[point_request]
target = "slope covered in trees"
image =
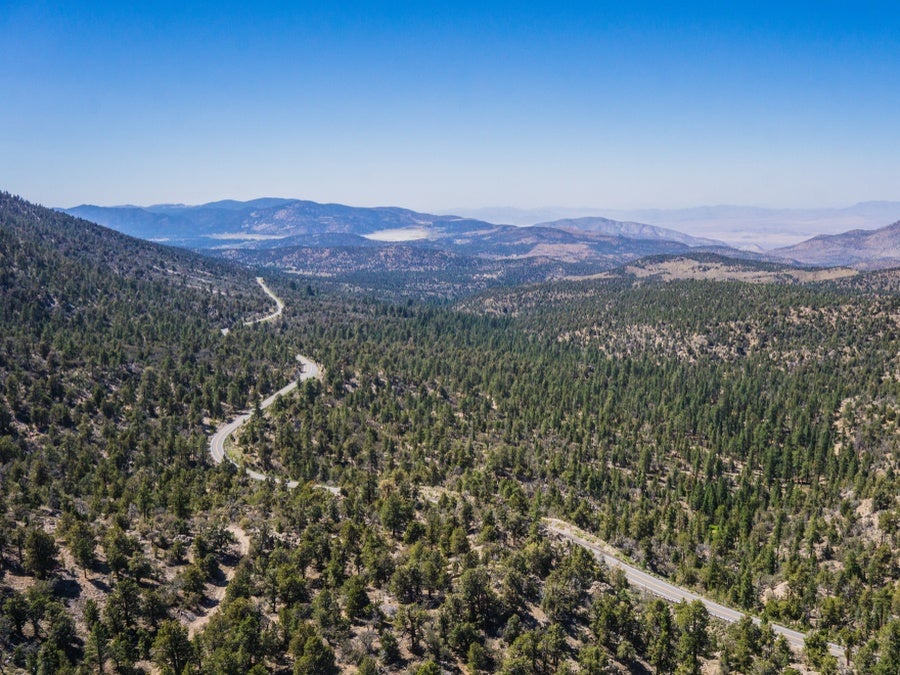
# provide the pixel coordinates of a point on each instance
(741, 440)
(111, 355)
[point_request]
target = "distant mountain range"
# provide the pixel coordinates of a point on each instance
(747, 227)
(863, 249)
(284, 233)
(270, 231)
(628, 230)
(227, 224)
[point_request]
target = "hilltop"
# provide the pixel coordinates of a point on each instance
(864, 249)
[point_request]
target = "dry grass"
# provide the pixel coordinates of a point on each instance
(687, 268)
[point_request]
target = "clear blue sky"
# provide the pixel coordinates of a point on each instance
(434, 105)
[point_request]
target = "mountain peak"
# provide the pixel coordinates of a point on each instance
(628, 230)
(870, 249)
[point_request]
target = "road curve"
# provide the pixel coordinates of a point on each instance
(279, 305)
(665, 590)
(308, 370)
(636, 577)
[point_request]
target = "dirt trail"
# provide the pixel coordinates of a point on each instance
(215, 594)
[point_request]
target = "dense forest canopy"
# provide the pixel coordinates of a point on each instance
(739, 439)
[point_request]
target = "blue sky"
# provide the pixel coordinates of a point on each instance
(439, 105)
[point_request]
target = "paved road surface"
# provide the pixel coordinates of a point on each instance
(279, 305)
(308, 369)
(665, 590)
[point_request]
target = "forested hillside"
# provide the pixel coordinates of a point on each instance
(739, 439)
(111, 355)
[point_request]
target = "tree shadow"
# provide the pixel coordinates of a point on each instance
(99, 584)
(67, 588)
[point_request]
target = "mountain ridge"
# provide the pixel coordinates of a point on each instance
(744, 227)
(273, 223)
(629, 229)
(291, 217)
(869, 249)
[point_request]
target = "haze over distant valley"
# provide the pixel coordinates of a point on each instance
(746, 227)
(452, 255)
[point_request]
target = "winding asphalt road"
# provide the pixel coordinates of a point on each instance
(308, 369)
(663, 589)
(279, 305)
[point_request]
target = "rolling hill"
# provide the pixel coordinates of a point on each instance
(864, 249)
(629, 230)
(225, 223)
(332, 239)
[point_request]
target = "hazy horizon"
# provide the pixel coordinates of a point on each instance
(484, 207)
(742, 226)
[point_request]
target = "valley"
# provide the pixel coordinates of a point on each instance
(403, 253)
(729, 426)
(608, 556)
